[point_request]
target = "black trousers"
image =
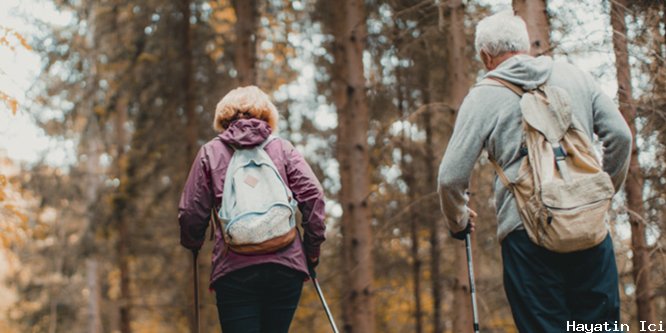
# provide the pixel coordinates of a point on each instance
(548, 290)
(258, 299)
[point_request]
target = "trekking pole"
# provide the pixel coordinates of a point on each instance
(313, 276)
(472, 288)
(195, 264)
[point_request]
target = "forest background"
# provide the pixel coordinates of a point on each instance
(103, 105)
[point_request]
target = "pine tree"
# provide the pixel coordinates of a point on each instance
(634, 183)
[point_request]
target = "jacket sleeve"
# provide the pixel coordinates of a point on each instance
(310, 197)
(614, 133)
(457, 165)
(195, 204)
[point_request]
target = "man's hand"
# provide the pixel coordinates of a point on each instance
(460, 235)
(472, 219)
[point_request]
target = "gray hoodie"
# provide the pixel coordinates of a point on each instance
(490, 119)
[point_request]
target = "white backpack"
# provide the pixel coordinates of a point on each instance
(257, 211)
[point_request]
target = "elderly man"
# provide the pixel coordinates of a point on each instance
(547, 290)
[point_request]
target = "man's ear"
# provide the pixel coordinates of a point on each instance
(487, 60)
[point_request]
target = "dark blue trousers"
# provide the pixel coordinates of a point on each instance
(258, 299)
(547, 290)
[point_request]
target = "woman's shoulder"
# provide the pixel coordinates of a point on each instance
(278, 146)
(281, 150)
(215, 148)
(284, 143)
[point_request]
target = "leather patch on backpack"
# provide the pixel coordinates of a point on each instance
(251, 181)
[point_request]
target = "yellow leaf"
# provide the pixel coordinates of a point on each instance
(24, 218)
(11, 39)
(11, 102)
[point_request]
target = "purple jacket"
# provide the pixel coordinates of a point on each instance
(206, 180)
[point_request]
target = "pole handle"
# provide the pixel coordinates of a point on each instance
(311, 271)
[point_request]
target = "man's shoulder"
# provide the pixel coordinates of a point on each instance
(561, 64)
(568, 71)
(485, 84)
(487, 93)
(580, 84)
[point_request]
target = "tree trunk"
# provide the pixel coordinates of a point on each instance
(188, 84)
(457, 79)
(414, 217)
(462, 307)
(191, 127)
(352, 151)
(436, 219)
(93, 147)
(122, 250)
(247, 19)
(535, 14)
(456, 85)
(59, 262)
(658, 66)
(435, 225)
(416, 264)
(339, 74)
(94, 314)
(634, 183)
(120, 220)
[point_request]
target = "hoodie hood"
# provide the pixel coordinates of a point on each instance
(246, 133)
(524, 71)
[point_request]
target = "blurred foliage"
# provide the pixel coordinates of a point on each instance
(113, 84)
(11, 40)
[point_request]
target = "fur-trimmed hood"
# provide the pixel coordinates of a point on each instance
(245, 103)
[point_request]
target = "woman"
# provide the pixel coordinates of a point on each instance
(259, 292)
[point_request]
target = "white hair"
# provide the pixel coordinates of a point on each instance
(501, 33)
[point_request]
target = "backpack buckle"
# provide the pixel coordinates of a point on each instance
(560, 153)
(523, 151)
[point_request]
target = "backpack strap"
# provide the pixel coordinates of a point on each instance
(501, 175)
(560, 155)
(267, 141)
(488, 82)
(214, 220)
(495, 81)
